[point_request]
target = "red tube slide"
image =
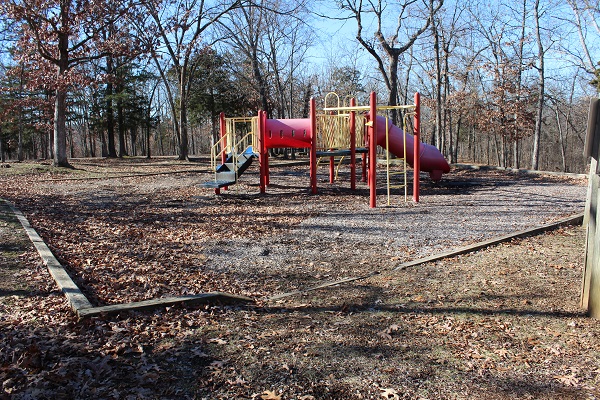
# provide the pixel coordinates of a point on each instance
(288, 133)
(432, 160)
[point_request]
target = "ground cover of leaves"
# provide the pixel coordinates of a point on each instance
(499, 323)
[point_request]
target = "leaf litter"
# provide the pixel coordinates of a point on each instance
(500, 323)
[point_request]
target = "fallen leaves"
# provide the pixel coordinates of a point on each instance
(218, 341)
(568, 380)
(390, 394)
(387, 333)
(436, 331)
(270, 395)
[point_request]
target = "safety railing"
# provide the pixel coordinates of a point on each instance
(233, 145)
(399, 160)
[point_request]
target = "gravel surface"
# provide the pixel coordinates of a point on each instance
(261, 245)
(347, 238)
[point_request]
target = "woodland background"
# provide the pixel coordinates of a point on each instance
(504, 83)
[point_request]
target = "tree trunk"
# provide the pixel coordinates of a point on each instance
(60, 129)
(183, 131)
(262, 89)
(393, 97)
(60, 105)
(2, 156)
(170, 99)
(516, 160)
(183, 119)
(438, 87)
(132, 140)
(515, 148)
(121, 120)
(562, 143)
(535, 157)
(148, 128)
(20, 143)
(110, 116)
(447, 112)
(456, 144)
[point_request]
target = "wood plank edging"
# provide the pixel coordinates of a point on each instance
(518, 170)
(75, 297)
(572, 220)
(82, 306)
(204, 298)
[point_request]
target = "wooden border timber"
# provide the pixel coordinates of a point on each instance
(573, 220)
(82, 306)
(204, 298)
(476, 167)
(75, 297)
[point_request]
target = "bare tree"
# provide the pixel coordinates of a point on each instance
(519, 79)
(175, 31)
(271, 39)
(535, 155)
(60, 36)
(446, 33)
(287, 41)
(386, 50)
(586, 15)
(244, 30)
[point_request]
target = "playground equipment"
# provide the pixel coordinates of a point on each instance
(432, 161)
(333, 133)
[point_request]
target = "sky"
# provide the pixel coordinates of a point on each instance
(336, 43)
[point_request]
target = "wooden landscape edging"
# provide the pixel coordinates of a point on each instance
(572, 220)
(82, 306)
(75, 297)
(204, 298)
(519, 170)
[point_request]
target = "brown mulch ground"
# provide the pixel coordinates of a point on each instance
(499, 323)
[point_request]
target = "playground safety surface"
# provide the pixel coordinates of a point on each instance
(501, 323)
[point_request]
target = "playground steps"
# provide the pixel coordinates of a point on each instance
(227, 174)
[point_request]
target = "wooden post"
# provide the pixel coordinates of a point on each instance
(590, 291)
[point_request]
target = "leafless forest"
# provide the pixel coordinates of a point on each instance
(503, 83)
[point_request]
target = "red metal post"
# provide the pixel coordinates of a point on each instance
(331, 169)
(364, 160)
(266, 155)
(373, 151)
(352, 145)
(262, 151)
(223, 131)
(313, 146)
(417, 140)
